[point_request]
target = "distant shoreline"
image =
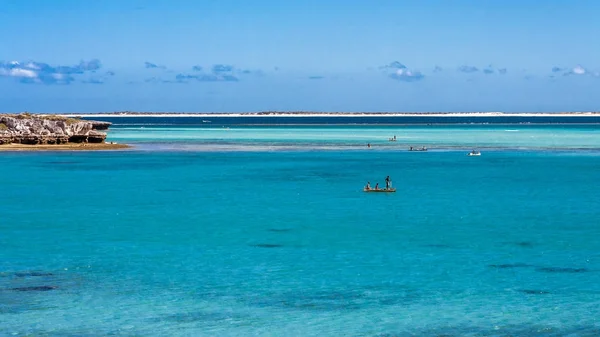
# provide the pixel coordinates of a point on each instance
(331, 114)
(62, 147)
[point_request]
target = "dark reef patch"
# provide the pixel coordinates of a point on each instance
(534, 292)
(63, 162)
(200, 316)
(335, 300)
(524, 244)
(266, 245)
(562, 270)
(168, 190)
(32, 274)
(437, 245)
(35, 288)
(319, 302)
(77, 332)
(510, 265)
(499, 331)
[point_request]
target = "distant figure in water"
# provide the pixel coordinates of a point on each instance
(387, 182)
(411, 148)
(377, 186)
(368, 187)
(369, 145)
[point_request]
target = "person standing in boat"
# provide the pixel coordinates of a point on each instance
(387, 182)
(368, 187)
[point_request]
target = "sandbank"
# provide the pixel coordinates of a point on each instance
(64, 147)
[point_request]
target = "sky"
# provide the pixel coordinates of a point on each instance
(309, 55)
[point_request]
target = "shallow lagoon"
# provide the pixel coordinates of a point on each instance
(263, 138)
(160, 241)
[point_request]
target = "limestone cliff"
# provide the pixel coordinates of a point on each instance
(49, 129)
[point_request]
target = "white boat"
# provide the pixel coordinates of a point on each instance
(381, 190)
(474, 153)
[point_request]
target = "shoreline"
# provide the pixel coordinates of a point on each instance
(63, 147)
(332, 114)
(422, 124)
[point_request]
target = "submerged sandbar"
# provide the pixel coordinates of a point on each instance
(64, 147)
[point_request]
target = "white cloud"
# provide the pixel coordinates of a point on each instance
(38, 72)
(32, 65)
(406, 75)
(579, 70)
(21, 72)
(398, 71)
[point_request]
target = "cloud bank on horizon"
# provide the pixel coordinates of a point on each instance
(33, 72)
(275, 55)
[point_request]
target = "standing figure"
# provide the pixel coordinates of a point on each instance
(387, 182)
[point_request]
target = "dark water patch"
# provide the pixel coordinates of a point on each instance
(524, 244)
(510, 265)
(202, 316)
(335, 300)
(35, 288)
(499, 331)
(33, 274)
(169, 190)
(318, 303)
(437, 245)
(266, 245)
(562, 270)
(336, 295)
(279, 230)
(70, 333)
(63, 162)
(534, 292)
(402, 299)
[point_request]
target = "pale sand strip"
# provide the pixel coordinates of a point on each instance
(64, 147)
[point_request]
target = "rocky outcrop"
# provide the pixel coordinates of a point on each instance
(97, 125)
(49, 129)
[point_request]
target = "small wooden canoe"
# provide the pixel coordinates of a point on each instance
(382, 190)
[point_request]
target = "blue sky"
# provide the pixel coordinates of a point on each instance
(352, 55)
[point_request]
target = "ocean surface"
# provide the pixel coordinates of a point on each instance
(423, 119)
(238, 230)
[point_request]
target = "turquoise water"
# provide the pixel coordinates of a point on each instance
(356, 137)
(196, 234)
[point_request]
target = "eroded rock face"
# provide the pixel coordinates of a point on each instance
(37, 129)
